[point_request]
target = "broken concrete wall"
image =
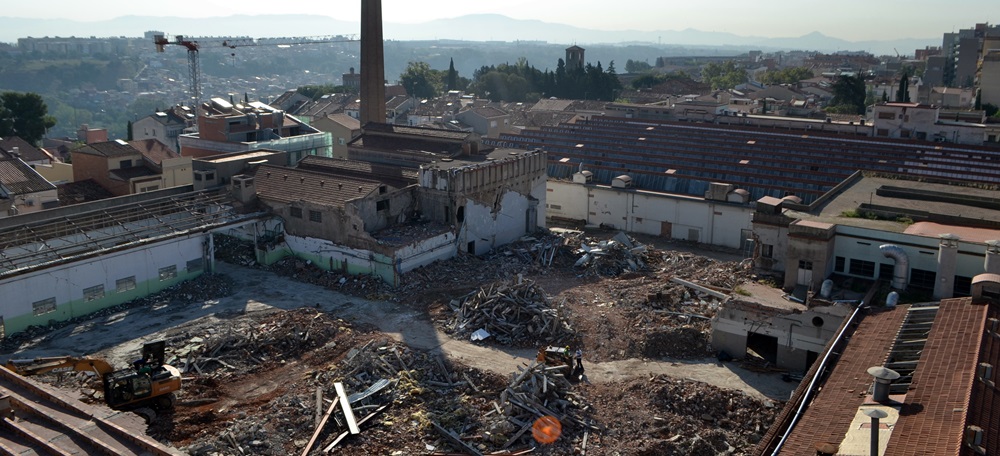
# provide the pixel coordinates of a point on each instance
(809, 254)
(71, 290)
(392, 207)
(797, 332)
(334, 223)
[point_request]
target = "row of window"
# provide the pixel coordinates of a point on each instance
(919, 278)
(123, 285)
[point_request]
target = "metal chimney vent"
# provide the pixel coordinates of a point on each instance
(883, 378)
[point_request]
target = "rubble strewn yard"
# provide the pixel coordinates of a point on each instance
(262, 367)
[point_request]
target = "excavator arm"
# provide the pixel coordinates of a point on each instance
(38, 366)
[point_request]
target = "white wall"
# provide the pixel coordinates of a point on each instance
(66, 282)
(850, 243)
(716, 223)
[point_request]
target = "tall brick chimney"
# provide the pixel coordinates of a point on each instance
(372, 63)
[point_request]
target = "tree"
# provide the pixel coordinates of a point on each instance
(789, 75)
(128, 131)
(316, 92)
(848, 95)
(903, 93)
(420, 80)
(636, 66)
(724, 76)
(979, 100)
(451, 82)
(24, 115)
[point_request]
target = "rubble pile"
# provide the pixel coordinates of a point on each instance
(681, 417)
(514, 313)
(612, 257)
(247, 344)
(234, 250)
(536, 391)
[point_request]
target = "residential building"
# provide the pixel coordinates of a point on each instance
(487, 121)
(989, 81)
(224, 128)
(951, 97)
(123, 169)
(23, 190)
(923, 122)
(164, 126)
(217, 170)
(342, 129)
(14, 146)
(89, 135)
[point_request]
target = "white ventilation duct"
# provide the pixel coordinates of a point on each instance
(899, 273)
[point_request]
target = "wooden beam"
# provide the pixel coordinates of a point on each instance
(319, 428)
(352, 424)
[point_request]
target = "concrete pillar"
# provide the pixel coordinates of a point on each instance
(992, 264)
(944, 287)
(372, 63)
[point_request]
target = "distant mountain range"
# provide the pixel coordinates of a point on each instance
(478, 27)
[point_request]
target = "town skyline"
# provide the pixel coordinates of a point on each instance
(852, 20)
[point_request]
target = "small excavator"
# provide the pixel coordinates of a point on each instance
(149, 383)
(560, 357)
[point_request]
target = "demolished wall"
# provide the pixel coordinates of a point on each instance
(798, 331)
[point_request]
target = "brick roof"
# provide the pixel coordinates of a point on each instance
(116, 148)
(20, 179)
(984, 409)
(286, 185)
(932, 419)
(830, 414)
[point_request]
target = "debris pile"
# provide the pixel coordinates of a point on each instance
(681, 417)
(514, 313)
(537, 391)
(612, 257)
(247, 344)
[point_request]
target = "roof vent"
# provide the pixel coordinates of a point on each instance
(985, 372)
(301, 179)
(883, 378)
(321, 183)
(360, 189)
(973, 436)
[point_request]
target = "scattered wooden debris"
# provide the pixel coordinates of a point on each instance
(515, 312)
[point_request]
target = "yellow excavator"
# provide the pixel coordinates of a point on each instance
(150, 382)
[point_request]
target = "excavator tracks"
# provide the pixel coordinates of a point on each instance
(37, 419)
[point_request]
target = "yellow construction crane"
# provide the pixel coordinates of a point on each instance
(194, 68)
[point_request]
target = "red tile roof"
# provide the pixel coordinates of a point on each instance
(932, 419)
(828, 417)
(984, 410)
(154, 150)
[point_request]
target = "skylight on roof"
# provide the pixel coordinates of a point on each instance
(564, 160)
(744, 162)
(650, 128)
(579, 145)
(642, 138)
(671, 171)
(751, 142)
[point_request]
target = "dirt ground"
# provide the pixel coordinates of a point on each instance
(651, 385)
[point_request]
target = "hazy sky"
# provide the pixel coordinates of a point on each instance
(847, 19)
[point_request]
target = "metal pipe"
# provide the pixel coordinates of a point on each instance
(901, 271)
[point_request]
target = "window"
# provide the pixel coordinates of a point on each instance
(168, 272)
(44, 306)
(923, 279)
(125, 164)
(806, 265)
(210, 176)
(963, 286)
(197, 177)
(195, 265)
(295, 212)
(882, 132)
(93, 293)
(341, 141)
(838, 264)
(382, 205)
(904, 133)
(315, 216)
(382, 189)
(886, 115)
(767, 250)
(125, 284)
(862, 268)
(886, 271)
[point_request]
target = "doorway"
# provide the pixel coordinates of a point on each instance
(471, 247)
(762, 346)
